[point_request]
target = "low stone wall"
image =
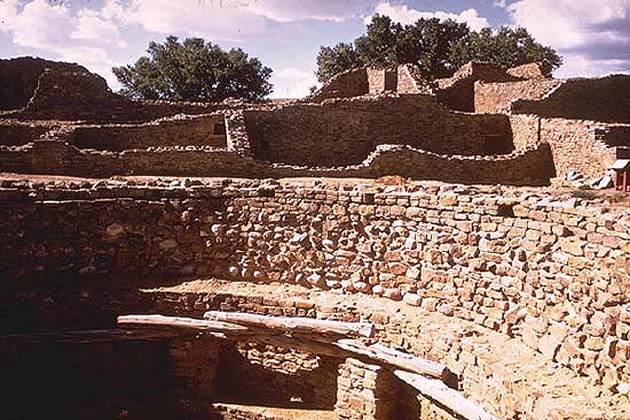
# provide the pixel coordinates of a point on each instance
(497, 97)
(366, 392)
(344, 132)
(606, 99)
(200, 130)
(551, 272)
(529, 167)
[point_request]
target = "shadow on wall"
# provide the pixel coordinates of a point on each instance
(606, 100)
(278, 378)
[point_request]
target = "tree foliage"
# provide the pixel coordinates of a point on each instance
(437, 47)
(194, 70)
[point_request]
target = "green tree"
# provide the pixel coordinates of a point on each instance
(194, 70)
(437, 47)
(333, 60)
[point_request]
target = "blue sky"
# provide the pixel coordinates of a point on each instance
(592, 35)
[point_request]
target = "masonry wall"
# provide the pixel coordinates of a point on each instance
(343, 85)
(19, 78)
(574, 145)
(527, 167)
(527, 71)
(606, 99)
(203, 130)
(554, 273)
(498, 97)
(258, 374)
(525, 131)
(458, 92)
(19, 134)
(344, 132)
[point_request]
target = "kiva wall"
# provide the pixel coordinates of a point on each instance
(550, 272)
(343, 132)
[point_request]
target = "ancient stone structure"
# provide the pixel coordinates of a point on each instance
(520, 292)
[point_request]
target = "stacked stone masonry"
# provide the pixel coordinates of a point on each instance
(551, 272)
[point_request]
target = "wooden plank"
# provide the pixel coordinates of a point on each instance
(292, 324)
(448, 397)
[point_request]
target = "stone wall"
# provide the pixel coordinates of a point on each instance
(606, 99)
(343, 132)
(15, 134)
(527, 71)
(498, 97)
(69, 92)
(200, 130)
(526, 167)
(458, 92)
(365, 392)
(381, 80)
(552, 272)
(19, 78)
(258, 374)
(575, 145)
(410, 80)
(525, 131)
(343, 85)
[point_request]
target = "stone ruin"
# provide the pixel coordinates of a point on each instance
(157, 262)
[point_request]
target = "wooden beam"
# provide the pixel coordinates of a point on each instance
(398, 359)
(297, 325)
(180, 322)
(84, 336)
(448, 397)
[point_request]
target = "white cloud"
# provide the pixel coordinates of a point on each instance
(84, 36)
(593, 36)
(228, 19)
(210, 19)
(292, 10)
(576, 65)
(292, 82)
(403, 14)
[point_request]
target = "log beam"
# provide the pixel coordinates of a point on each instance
(181, 322)
(293, 324)
(398, 359)
(448, 397)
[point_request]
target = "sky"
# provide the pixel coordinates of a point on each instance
(593, 36)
